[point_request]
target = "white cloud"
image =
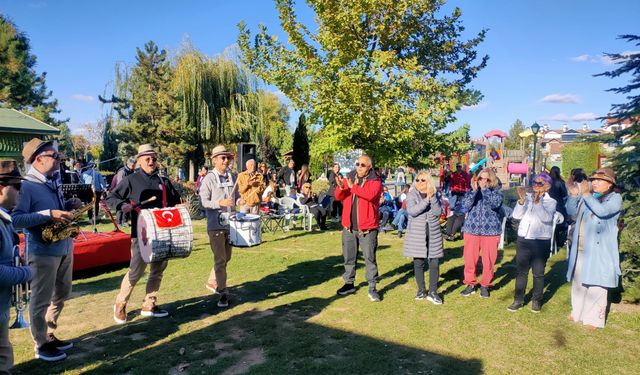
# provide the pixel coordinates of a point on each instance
(563, 117)
(581, 58)
(481, 105)
(83, 98)
(561, 98)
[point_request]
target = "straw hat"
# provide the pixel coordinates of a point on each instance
(33, 148)
(605, 174)
(145, 149)
(220, 150)
(9, 172)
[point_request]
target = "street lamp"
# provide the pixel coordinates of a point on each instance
(535, 128)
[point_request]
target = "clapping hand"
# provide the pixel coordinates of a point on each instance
(584, 187)
(522, 194)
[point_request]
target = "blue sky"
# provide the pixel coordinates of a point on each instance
(542, 53)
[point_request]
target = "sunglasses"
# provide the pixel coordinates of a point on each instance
(152, 159)
(363, 165)
(421, 180)
(54, 156)
(538, 183)
(224, 157)
(482, 178)
(15, 185)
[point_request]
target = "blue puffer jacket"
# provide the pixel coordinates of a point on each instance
(601, 260)
(483, 207)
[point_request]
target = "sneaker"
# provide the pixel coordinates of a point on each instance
(374, 296)
(469, 290)
(154, 312)
(211, 287)
(120, 313)
(434, 298)
(399, 234)
(515, 306)
(48, 352)
(421, 295)
(346, 289)
(536, 306)
(223, 301)
(484, 292)
(59, 344)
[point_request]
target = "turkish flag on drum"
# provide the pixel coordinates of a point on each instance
(168, 218)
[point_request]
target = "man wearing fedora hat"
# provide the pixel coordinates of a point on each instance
(218, 194)
(10, 274)
(39, 203)
(135, 188)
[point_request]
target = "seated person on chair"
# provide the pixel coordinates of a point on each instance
(310, 199)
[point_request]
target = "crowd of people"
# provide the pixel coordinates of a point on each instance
(589, 205)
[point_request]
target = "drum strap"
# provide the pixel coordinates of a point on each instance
(165, 203)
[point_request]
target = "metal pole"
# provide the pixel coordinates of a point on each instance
(533, 172)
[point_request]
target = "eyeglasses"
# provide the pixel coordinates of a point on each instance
(421, 180)
(151, 159)
(538, 183)
(224, 157)
(55, 156)
(482, 178)
(363, 165)
(15, 185)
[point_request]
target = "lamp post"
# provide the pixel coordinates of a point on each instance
(535, 128)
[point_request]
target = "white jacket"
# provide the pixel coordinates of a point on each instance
(536, 220)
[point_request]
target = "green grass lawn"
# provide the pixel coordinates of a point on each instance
(286, 318)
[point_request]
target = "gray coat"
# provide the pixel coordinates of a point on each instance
(420, 213)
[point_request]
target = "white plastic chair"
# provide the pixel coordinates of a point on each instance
(558, 218)
(504, 226)
(290, 204)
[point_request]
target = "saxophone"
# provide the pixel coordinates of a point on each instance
(57, 230)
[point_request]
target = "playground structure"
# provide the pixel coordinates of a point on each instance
(504, 162)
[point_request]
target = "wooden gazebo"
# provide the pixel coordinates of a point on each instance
(16, 128)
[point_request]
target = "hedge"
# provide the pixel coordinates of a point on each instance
(580, 155)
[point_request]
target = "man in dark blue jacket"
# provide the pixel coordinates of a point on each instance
(10, 274)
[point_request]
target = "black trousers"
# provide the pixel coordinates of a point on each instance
(434, 273)
(454, 224)
(321, 216)
(531, 254)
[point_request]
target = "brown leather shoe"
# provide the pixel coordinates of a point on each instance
(120, 313)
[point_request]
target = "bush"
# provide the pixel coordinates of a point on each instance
(580, 155)
(630, 247)
(320, 186)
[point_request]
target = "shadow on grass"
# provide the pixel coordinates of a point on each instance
(276, 341)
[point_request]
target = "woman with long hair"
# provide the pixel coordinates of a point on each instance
(423, 241)
(594, 261)
(303, 176)
(535, 212)
(482, 229)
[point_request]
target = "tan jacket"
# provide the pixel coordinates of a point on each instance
(250, 187)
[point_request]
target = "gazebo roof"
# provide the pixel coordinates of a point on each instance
(12, 121)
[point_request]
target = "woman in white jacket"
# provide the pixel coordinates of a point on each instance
(535, 212)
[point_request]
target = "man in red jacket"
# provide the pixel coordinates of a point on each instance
(360, 193)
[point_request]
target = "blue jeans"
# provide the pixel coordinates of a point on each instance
(400, 220)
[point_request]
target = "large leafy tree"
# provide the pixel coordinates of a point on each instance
(384, 76)
(271, 132)
(21, 87)
(626, 162)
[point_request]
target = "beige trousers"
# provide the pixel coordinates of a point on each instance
(221, 248)
(588, 303)
(50, 287)
(136, 269)
(6, 351)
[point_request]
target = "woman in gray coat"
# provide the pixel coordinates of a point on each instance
(424, 238)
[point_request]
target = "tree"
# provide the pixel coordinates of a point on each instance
(626, 163)
(381, 76)
(271, 130)
(301, 143)
(20, 86)
(513, 140)
(109, 154)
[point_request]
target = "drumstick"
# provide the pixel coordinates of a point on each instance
(137, 206)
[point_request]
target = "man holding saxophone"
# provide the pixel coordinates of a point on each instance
(10, 273)
(40, 203)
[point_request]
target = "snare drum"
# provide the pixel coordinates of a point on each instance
(164, 233)
(244, 230)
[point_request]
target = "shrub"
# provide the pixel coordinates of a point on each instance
(580, 155)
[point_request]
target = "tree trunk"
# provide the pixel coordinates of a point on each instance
(191, 170)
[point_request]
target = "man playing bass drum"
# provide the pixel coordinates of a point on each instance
(135, 188)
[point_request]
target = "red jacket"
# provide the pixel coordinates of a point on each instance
(368, 202)
(459, 182)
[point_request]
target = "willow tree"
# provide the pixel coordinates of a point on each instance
(385, 76)
(216, 102)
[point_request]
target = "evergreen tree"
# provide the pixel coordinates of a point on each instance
(626, 163)
(301, 143)
(109, 147)
(21, 87)
(513, 140)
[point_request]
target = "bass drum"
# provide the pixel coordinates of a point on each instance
(164, 233)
